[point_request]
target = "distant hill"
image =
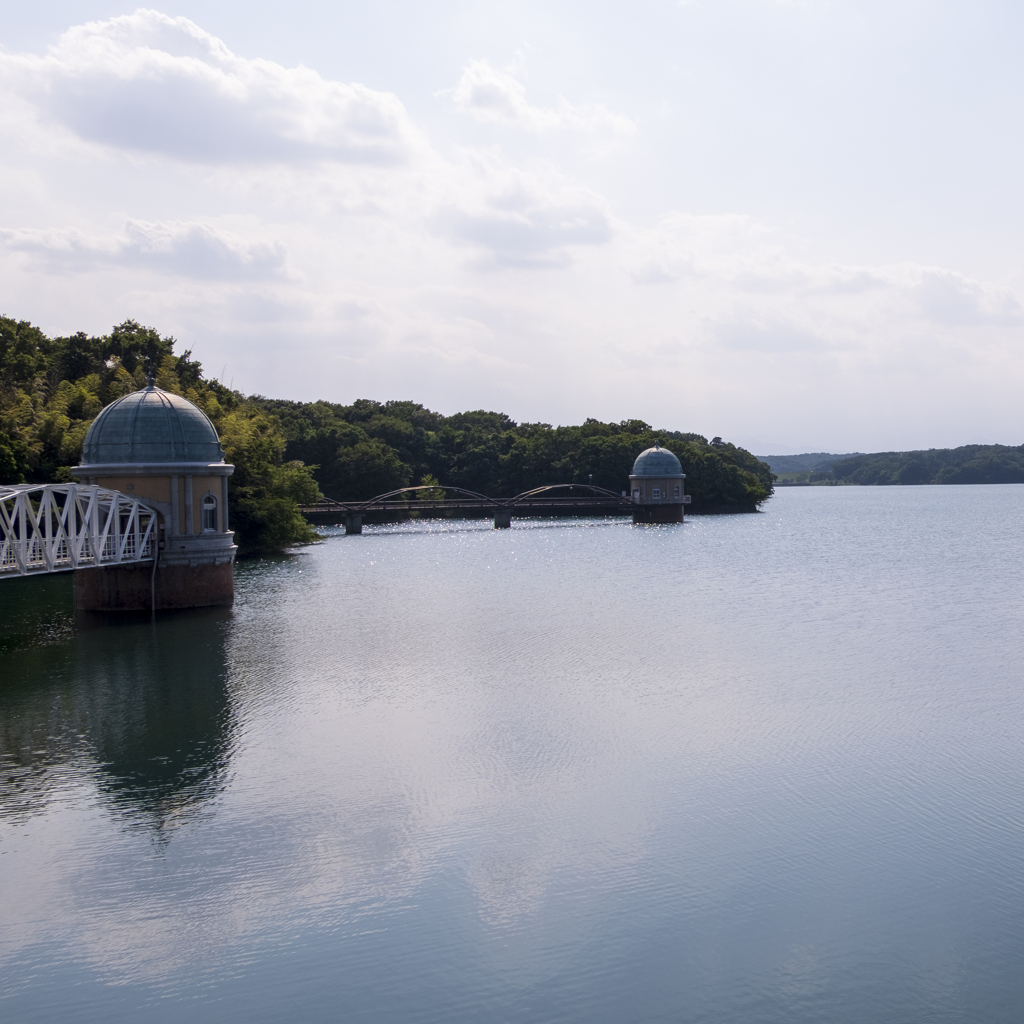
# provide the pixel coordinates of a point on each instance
(969, 464)
(816, 462)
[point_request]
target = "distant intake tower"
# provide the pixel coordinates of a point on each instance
(656, 484)
(165, 451)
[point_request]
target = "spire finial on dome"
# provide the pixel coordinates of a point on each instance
(150, 382)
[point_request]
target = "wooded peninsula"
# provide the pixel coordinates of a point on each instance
(287, 454)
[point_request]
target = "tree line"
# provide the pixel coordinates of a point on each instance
(288, 454)
(969, 464)
(369, 448)
(51, 389)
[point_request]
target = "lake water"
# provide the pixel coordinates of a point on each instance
(763, 768)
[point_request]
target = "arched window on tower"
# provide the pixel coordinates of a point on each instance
(209, 514)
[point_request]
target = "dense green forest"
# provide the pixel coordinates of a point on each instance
(289, 453)
(367, 448)
(970, 464)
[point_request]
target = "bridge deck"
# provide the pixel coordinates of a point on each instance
(594, 500)
(566, 504)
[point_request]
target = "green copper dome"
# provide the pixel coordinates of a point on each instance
(151, 426)
(657, 461)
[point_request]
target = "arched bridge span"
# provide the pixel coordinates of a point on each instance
(564, 499)
(468, 499)
(604, 496)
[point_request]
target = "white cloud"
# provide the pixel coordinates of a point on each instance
(734, 288)
(950, 298)
(151, 83)
(741, 259)
(522, 220)
(685, 246)
(187, 249)
(772, 335)
(274, 211)
(490, 95)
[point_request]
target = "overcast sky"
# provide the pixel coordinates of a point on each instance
(793, 223)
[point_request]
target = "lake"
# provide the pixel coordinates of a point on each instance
(760, 768)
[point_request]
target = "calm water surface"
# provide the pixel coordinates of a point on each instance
(749, 769)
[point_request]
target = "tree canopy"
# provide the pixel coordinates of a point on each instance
(368, 448)
(52, 388)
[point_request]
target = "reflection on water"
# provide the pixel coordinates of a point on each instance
(33, 613)
(139, 708)
(759, 769)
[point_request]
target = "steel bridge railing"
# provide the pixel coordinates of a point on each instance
(538, 497)
(58, 527)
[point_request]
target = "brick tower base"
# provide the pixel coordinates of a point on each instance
(658, 514)
(127, 588)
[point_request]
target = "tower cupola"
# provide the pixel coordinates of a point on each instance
(164, 450)
(657, 487)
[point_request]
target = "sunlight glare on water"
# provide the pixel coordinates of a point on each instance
(748, 769)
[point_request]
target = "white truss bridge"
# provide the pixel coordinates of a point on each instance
(56, 527)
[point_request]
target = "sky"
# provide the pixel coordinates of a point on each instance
(795, 224)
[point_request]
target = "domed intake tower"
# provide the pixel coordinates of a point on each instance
(162, 449)
(657, 487)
